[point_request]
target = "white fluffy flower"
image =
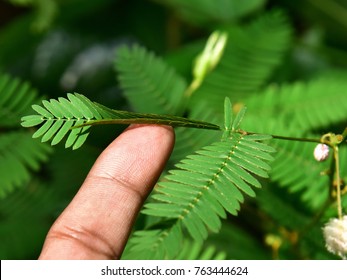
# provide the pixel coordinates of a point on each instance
(335, 235)
(321, 152)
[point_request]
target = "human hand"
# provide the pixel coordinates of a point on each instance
(98, 221)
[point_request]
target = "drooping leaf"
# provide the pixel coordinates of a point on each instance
(74, 116)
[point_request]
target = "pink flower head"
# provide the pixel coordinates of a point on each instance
(321, 152)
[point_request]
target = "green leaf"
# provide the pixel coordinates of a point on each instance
(324, 104)
(155, 244)
(74, 116)
(90, 105)
(195, 226)
(42, 111)
(228, 120)
(19, 156)
(205, 12)
(70, 110)
(227, 114)
(148, 83)
(33, 120)
(244, 175)
(62, 132)
(16, 97)
(196, 251)
(134, 118)
(53, 108)
(81, 106)
(203, 187)
(238, 119)
(203, 183)
(288, 171)
(52, 130)
(252, 54)
(75, 134)
(43, 129)
(162, 208)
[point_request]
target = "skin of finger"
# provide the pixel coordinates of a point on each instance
(98, 221)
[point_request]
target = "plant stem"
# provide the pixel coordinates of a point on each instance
(338, 181)
(300, 139)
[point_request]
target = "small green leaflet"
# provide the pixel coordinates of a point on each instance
(231, 124)
(228, 117)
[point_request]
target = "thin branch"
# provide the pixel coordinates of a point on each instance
(338, 181)
(288, 138)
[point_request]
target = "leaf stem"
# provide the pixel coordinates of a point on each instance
(288, 138)
(300, 139)
(173, 121)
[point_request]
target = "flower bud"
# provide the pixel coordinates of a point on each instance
(335, 235)
(210, 56)
(321, 152)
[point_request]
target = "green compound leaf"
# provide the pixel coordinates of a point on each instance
(148, 83)
(210, 182)
(73, 117)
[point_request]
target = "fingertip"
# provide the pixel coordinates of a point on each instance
(98, 221)
(141, 151)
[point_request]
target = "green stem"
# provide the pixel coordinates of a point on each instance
(300, 139)
(331, 140)
(194, 85)
(338, 181)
